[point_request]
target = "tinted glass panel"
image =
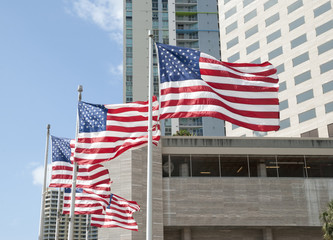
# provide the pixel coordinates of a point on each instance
(295, 24)
(275, 53)
(296, 5)
(231, 27)
(302, 77)
(304, 96)
(252, 47)
(230, 12)
(325, 47)
(233, 58)
(327, 87)
(291, 166)
(205, 166)
(282, 86)
(329, 107)
(319, 166)
(307, 115)
(251, 31)
(263, 166)
(280, 68)
(180, 166)
(258, 60)
(234, 166)
(326, 67)
(275, 35)
(270, 4)
(272, 19)
(284, 123)
(322, 9)
(300, 59)
(250, 15)
(247, 2)
(298, 41)
(312, 133)
(232, 43)
(283, 105)
(324, 28)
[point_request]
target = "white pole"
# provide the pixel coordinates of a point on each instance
(149, 222)
(41, 223)
(58, 215)
(73, 191)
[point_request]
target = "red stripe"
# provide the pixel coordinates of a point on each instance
(93, 176)
(210, 60)
(61, 185)
(61, 176)
(65, 168)
(255, 127)
(130, 118)
(127, 129)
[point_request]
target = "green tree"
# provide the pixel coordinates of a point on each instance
(182, 132)
(327, 220)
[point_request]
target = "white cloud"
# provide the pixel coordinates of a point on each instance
(117, 73)
(38, 175)
(107, 14)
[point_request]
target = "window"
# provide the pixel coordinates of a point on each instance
(205, 166)
(322, 9)
(232, 43)
(233, 126)
(298, 41)
(226, 1)
(284, 105)
(231, 27)
(230, 12)
(269, 21)
(296, 5)
(295, 24)
(280, 68)
(327, 87)
(263, 166)
(282, 86)
(307, 115)
(257, 61)
(247, 2)
(284, 123)
(330, 130)
(291, 166)
(179, 166)
(324, 28)
(234, 166)
(325, 47)
(250, 15)
(252, 47)
(329, 107)
(275, 53)
(311, 133)
(302, 77)
(259, 133)
(300, 59)
(325, 67)
(234, 57)
(251, 31)
(302, 97)
(269, 4)
(319, 166)
(273, 36)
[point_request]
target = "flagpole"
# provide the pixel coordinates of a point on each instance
(58, 215)
(73, 191)
(41, 224)
(149, 223)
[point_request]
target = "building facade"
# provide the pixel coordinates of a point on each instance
(186, 23)
(297, 38)
(228, 188)
(50, 220)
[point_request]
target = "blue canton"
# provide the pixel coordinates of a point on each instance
(178, 63)
(61, 149)
(78, 190)
(92, 117)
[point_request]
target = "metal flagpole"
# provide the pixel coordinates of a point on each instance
(41, 224)
(58, 215)
(149, 223)
(73, 191)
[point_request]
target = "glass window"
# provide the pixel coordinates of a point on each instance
(284, 104)
(284, 123)
(233, 126)
(280, 68)
(329, 107)
(322, 9)
(252, 47)
(234, 57)
(327, 87)
(275, 53)
(258, 60)
(330, 130)
(263, 166)
(180, 166)
(295, 24)
(259, 133)
(269, 4)
(307, 115)
(273, 36)
(325, 47)
(311, 133)
(325, 67)
(250, 15)
(302, 77)
(302, 97)
(251, 31)
(247, 2)
(298, 41)
(269, 21)
(165, 165)
(296, 5)
(226, 1)
(300, 59)
(319, 166)
(234, 166)
(324, 28)
(291, 166)
(205, 166)
(231, 27)
(232, 42)
(230, 12)
(282, 86)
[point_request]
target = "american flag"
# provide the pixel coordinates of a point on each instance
(88, 176)
(106, 131)
(88, 201)
(118, 214)
(194, 84)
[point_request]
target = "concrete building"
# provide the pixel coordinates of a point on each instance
(50, 219)
(187, 23)
(228, 188)
(297, 38)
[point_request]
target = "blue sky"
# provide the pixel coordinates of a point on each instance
(48, 48)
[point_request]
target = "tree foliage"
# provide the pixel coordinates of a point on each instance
(327, 219)
(183, 132)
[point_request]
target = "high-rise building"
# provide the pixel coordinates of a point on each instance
(50, 220)
(297, 38)
(186, 23)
